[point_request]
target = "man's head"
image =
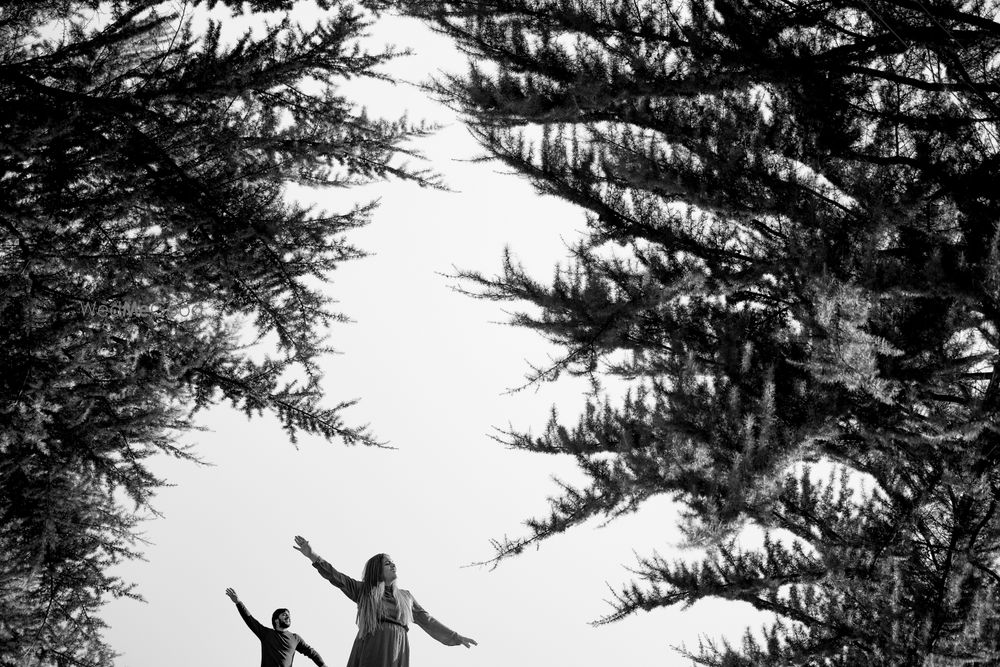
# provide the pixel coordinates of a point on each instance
(281, 619)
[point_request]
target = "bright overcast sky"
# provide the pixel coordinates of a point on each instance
(431, 367)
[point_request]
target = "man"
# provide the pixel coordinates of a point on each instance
(277, 644)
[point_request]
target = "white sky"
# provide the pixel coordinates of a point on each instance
(431, 367)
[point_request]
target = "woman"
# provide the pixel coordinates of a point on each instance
(385, 612)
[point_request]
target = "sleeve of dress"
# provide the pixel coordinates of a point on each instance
(434, 627)
(351, 587)
(308, 651)
(252, 623)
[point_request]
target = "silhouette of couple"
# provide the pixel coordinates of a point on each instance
(385, 612)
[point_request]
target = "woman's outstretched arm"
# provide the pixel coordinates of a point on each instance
(351, 587)
(437, 629)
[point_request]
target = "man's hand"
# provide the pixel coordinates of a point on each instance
(467, 642)
(232, 595)
(302, 546)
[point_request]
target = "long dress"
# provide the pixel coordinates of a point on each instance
(388, 646)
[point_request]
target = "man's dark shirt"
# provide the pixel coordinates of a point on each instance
(277, 647)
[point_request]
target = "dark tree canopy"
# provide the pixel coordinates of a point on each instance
(143, 216)
(793, 251)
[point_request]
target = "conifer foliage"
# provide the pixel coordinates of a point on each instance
(144, 165)
(793, 250)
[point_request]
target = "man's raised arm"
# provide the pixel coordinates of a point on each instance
(252, 623)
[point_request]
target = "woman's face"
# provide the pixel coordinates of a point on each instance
(388, 570)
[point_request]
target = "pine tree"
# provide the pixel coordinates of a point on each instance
(143, 218)
(793, 254)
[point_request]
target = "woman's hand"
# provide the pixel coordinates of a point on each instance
(232, 595)
(466, 642)
(302, 546)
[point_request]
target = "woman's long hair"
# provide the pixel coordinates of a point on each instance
(370, 602)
